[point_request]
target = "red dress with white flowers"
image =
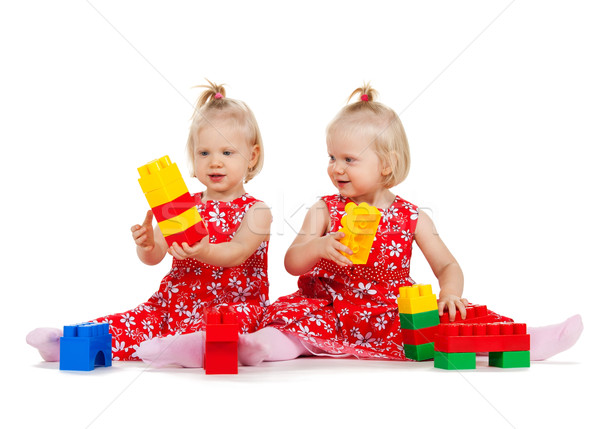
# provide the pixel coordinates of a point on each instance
(352, 311)
(190, 286)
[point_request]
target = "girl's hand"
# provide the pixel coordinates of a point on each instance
(143, 235)
(185, 251)
(329, 247)
(452, 303)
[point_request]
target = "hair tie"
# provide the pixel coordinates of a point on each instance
(218, 96)
(364, 97)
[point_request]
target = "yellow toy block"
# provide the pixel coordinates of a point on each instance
(416, 299)
(180, 222)
(161, 181)
(163, 195)
(359, 225)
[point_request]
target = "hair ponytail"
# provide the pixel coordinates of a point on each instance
(215, 93)
(366, 100)
(366, 92)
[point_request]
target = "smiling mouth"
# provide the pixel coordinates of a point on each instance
(216, 177)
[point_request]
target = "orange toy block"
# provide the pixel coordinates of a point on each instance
(359, 226)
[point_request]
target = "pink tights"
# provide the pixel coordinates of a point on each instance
(268, 344)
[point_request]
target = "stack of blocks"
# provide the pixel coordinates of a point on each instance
(173, 206)
(507, 343)
(359, 226)
(84, 346)
(220, 352)
(419, 320)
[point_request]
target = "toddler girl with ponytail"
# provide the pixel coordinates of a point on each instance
(227, 267)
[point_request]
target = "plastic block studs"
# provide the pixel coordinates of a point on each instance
(220, 353)
(508, 343)
(419, 320)
(359, 226)
(475, 314)
(416, 299)
(173, 206)
(85, 346)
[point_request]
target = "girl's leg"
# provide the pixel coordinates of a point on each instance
(269, 344)
(180, 350)
(188, 350)
(46, 340)
(546, 341)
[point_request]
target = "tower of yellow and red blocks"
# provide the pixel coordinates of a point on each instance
(172, 205)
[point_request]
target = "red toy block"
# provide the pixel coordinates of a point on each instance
(419, 336)
(190, 236)
(220, 352)
(490, 337)
(174, 207)
(475, 314)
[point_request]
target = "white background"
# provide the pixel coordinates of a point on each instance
(500, 103)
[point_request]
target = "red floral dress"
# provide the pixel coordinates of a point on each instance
(190, 286)
(352, 311)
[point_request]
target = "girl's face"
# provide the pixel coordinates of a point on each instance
(222, 157)
(354, 168)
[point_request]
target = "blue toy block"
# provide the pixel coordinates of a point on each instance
(85, 346)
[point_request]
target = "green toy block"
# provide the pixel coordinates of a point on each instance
(419, 352)
(510, 359)
(454, 360)
(419, 320)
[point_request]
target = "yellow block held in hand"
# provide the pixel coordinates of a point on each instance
(359, 226)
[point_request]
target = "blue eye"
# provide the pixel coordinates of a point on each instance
(349, 160)
(203, 153)
(331, 158)
(227, 152)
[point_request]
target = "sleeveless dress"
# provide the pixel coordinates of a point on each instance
(352, 311)
(177, 307)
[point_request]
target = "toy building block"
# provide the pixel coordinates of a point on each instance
(475, 314)
(419, 320)
(173, 206)
(220, 352)
(517, 359)
(416, 299)
(419, 351)
(481, 337)
(454, 360)
(508, 343)
(359, 226)
(85, 346)
(419, 336)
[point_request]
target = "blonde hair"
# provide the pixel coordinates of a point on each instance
(211, 105)
(381, 126)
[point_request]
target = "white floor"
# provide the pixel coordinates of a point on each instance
(315, 392)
